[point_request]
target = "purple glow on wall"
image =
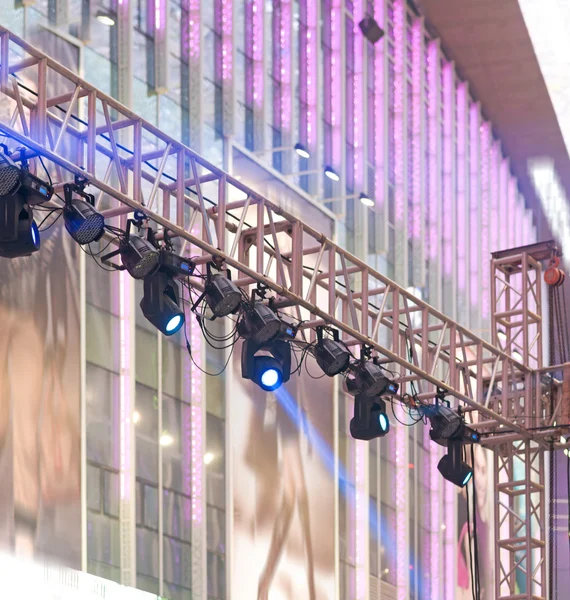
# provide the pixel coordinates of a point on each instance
(462, 104)
(485, 135)
(494, 197)
(284, 62)
(197, 423)
(379, 109)
(433, 216)
(448, 191)
(358, 82)
(194, 28)
(336, 81)
(227, 39)
(399, 82)
(450, 539)
(415, 218)
(474, 232)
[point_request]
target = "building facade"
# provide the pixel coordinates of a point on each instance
(243, 82)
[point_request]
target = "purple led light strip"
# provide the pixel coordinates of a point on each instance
(433, 217)
(485, 132)
(159, 15)
(194, 28)
(126, 400)
(503, 204)
(336, 81)
(360, 513)
(399, 82)
(432, 476)
(254, 49)
(379, 108)
(512, 209)
(494, 196)
(415, 218)
(448, 192)
(308, 67)
(474, 233)
(462, 103)
(227, 40)
(358, 81)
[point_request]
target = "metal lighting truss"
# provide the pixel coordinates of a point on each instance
(79, 130)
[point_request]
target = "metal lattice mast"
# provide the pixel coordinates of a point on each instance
(133, 165)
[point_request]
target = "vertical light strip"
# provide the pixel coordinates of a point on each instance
(494, 197)
(257, 52)
(159, 15)
(126, 441)
(402, 545)
(336, 91)
(416, 218)
(474, 232)
(226, 47)
(450, 538)
(399, 141)
(285, 25)
(433, 478)
(380, 111)
(197, 425)
(485, 134)
(312, 66)
(462, 222)
(433, 219)
(358, 90)
(360, 518)
(448, 191)
(194, 29)
(512, 208)
(503, 204)
(519, 221)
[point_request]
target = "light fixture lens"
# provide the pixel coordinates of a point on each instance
(270, 379)
(208, 458)
(105, 19)
(502, 336)
(35, 234)
(517, 356)
(136, 417)
(332, 174)
(467, 478)
(366, 200)
(174, 324)
(383, 421)
(302, 151)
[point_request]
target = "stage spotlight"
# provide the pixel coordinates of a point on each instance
(447, 424)
(453, 468)
(138, 256)
(270, 369)
(161, 303)
(19, 234)
(222, 295)
(332, 356)
(370, 419)
(302, 151)
(105, 18)
(369, 380)
(19, 182)
(332, 174)
(83, 223)
(259, 324)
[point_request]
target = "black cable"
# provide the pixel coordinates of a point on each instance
(470, 540)
(51, 224)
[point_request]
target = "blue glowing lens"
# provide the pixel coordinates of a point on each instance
(35, 234)
(174, 324)
(383, 420)
(467, 478)
(270, 379)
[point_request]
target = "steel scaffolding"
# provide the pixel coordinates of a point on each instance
(80, 131)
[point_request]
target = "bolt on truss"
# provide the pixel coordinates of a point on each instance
(78, 130)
